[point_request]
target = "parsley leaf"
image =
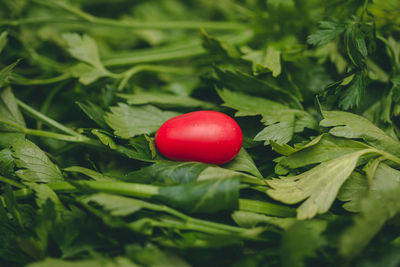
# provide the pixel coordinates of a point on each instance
(128, 121)
(33, 163)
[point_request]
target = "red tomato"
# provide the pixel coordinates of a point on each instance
(204, 136)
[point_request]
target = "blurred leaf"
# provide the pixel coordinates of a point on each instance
(251, 219)
(353, 191)
(307, 233)
(150, 255)
(116, 262)
(9, 111)
(272, 60)
(165, 100)
(116, 205)
(6, 162)
(3, 41)
(379, 205)
(6, 72)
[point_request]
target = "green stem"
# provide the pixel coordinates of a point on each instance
(46, 104)
(389, 156)
(62, 137)
(48, 121)
(382, 75)
(11, 182)
(212, 25)
(121, 188)
(16, 79)
(155, 54)
(127, 75)
(173, 52)
(266, 208)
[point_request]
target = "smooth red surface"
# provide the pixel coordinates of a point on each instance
(204, 136)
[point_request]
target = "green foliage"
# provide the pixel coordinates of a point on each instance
(129, 121)
(84, 86)
(33, 164)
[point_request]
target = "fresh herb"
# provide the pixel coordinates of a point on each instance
(314, 86)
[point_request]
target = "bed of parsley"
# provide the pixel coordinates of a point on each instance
(314, 85)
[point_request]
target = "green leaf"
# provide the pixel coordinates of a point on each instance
(5, 73)
(328, 31)
(218, 172)
(3, 40)
(355, 39)
(6, 162)
(242, 82)
(327, 148)
(379, 205)
(350, 125)
(129, 121)
(244, 163)
(165, 100)
(117, 205)
(306, 233)
(270, 60)
(280, 120)
(87, 74)
(354, 92)
(150, 255)
(219, 49)
(247, 105)
(116, 262)
(94, 112)
(84, 48)
(250, 219)
(273, 61)
(44, 193)
(353, 191)
(9, 111)
(280, 132)
(208, 196)
(319, 185)
(104, 138)
(168, 173)
(33, 164)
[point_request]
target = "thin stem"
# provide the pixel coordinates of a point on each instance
(45, 119)
(62, 137)
(121, 188)
(16, 79)
(46, 104)
(11, 182)
(174, 52)
(212, 25)
(127, 75)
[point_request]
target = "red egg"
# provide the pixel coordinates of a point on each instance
(204, 136)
